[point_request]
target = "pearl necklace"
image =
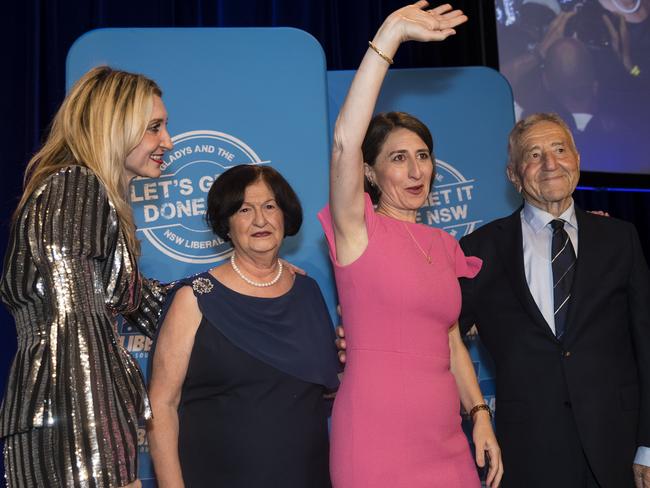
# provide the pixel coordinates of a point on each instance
(255, 283)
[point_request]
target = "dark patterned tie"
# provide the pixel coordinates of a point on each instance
(563, 264)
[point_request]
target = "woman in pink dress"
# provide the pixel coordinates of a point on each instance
(396, 420)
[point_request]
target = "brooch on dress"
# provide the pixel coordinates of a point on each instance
(202, 285)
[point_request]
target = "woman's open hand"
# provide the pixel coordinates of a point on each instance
(416, 22)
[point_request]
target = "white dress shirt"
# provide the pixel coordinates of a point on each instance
(537, 235)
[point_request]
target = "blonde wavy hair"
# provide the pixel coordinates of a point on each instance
(101, 120)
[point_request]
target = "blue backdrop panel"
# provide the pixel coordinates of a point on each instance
(259, 96)
(233, 96)
(469, 112)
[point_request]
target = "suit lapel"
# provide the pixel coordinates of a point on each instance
(511, 251)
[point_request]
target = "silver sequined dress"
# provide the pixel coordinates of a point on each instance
(74, 394)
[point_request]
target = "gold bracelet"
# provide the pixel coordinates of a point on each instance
(480, 406)
(381, 53)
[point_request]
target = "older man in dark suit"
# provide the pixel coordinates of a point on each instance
(563, 306)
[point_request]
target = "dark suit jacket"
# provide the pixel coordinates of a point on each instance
(593, 388)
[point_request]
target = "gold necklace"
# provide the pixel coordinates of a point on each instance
(427, 255)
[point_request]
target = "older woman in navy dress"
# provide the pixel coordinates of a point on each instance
(245, 354)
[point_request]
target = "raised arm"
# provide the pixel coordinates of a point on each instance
(413, 22)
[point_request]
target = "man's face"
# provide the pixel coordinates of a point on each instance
(549, 168)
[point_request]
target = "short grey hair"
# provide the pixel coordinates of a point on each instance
(515, 146)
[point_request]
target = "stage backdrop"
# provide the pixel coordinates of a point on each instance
(260, 96)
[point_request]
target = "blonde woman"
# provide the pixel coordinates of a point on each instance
(74, 395)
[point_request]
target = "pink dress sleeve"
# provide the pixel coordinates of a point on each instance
(465, 266)
(325, 218)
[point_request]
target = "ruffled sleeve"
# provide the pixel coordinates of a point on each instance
(465, 266)
(325, 218)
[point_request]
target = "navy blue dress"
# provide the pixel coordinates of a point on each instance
(252, 412)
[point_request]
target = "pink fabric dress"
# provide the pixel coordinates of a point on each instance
(396, 421)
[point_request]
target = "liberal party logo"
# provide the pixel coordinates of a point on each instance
(131, 339)
(448, 205)
(170, 210)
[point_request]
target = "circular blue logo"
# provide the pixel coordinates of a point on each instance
(170, 210)
(449, 204)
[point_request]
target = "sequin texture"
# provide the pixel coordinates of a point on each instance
(74, 394)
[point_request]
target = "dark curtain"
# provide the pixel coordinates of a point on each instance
(37, 34)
